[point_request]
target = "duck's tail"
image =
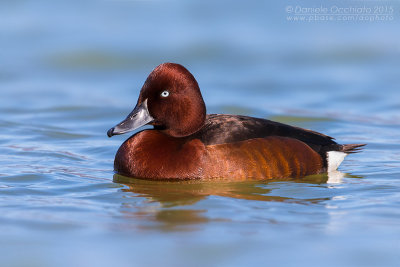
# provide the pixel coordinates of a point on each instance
(335, 157)
(351, 148)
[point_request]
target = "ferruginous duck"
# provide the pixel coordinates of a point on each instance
(186, 143)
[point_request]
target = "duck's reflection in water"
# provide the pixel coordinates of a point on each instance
(335, 177)
(172, 199)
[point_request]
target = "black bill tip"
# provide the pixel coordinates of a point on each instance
(110, 132)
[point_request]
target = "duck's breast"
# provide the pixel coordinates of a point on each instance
(151, 154)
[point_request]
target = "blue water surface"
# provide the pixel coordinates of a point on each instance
(70, 70)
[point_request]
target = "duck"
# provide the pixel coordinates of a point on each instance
(187, 143)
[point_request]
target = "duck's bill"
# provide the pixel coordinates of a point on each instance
(139, 117)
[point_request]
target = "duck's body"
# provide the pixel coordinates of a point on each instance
(187, 144)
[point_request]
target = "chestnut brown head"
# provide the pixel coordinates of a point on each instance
(170, 99)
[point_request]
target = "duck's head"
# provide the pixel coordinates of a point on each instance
(170, 100)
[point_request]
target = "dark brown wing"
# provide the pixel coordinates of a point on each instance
(221, 129)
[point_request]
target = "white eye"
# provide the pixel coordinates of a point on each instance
(165, 93)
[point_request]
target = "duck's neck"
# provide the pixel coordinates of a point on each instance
(188, 122)
(187, 128)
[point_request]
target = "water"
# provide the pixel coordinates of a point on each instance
(70, 71)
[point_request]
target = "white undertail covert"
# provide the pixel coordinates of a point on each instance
(334, 159)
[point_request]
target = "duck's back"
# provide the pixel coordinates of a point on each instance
(225, 129)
